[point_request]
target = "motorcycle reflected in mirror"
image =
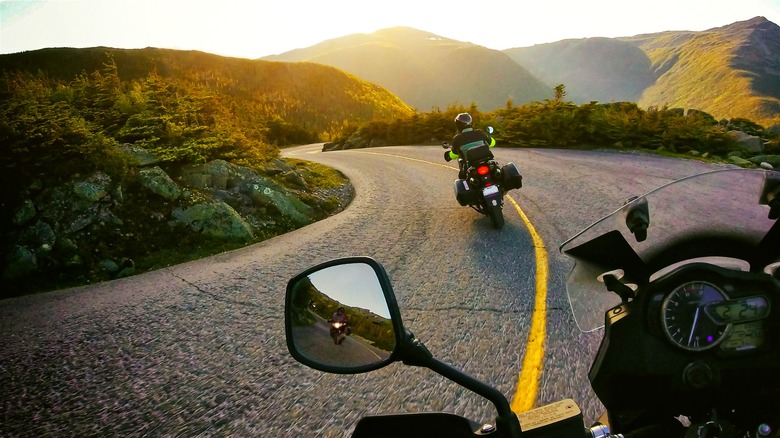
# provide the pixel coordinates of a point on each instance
(338, 320)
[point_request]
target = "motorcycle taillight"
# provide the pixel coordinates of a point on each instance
(483, 170)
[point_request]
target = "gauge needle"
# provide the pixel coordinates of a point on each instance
(693, 327)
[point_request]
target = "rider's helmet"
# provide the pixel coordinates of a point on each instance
(463, 121)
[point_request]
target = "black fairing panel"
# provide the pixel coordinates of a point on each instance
(420, 425)
(638, 373)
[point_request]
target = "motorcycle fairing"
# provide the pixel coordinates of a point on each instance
(721, 210)
(423, 425)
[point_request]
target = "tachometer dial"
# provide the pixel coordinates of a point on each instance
(684, 320)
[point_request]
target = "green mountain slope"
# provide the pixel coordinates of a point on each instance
(729, 72)
(426, 70)
(310, 96)
(601, 69)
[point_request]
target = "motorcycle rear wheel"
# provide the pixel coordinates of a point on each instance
(496, 215)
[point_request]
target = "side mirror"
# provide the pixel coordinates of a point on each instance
(490, 129)
(342, 317)
(637, 215)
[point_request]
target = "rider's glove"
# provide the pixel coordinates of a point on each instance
(447, 156)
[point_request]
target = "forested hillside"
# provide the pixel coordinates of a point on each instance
(310, 98)
(110, 156)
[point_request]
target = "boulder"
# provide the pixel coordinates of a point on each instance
(269, 195)
(214, 219)
(140, 155)
(739, 161)
(21, 262)
(750, 143)
(215, 174)
(774, 160)
(94, 188)
(156, 180)
(24, 213)
(39, 238)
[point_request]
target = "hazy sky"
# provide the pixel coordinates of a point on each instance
(257, 28)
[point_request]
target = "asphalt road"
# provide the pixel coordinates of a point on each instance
(198, 349)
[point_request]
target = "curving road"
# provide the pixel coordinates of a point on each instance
(199, 348)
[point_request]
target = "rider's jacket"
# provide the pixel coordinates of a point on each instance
(338, 317)
(467, 139)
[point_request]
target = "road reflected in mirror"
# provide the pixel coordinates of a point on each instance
(339, 317)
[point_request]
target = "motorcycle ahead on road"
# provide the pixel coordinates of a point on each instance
(686, 281)
(486, 182)
(338, 331)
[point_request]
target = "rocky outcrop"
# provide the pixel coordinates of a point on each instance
(747, 142)
(215, 219)
(96, 223)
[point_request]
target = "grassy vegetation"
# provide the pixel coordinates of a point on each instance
(559, 123)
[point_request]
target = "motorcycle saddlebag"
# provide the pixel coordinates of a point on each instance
(510, 176)
(464, 193)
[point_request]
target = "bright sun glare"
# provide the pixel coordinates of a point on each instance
(253, 29)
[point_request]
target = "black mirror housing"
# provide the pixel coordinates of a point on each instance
(359, 288)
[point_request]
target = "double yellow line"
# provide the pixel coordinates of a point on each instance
(533, 361)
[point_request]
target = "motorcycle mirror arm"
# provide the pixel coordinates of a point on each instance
(414, 353)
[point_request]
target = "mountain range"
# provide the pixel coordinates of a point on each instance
(730, 72)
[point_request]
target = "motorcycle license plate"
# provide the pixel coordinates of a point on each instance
(492, 190)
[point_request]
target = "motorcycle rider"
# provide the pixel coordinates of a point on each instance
(340, 315)
(466, 138)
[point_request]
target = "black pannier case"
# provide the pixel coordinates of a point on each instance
(510, 177)
(464, 193)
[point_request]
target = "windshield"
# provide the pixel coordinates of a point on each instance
(721, 215)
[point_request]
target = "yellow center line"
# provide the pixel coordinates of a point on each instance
(528, 380)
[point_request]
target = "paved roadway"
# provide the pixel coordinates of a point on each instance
(198, 349)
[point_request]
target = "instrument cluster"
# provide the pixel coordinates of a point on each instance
(699, 309)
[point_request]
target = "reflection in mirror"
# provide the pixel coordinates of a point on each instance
(339, 317)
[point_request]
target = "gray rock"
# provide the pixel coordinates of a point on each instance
(156, 180)
(774, 160)
(750, 143)
(94, 188)
(276, 167)
(288, 206)
(142, 156)
(25, 213)
(39, 238)
(219, 176)
(21, 262)
(740, 161)
(215, 219)
(108, 265)
(215, 174)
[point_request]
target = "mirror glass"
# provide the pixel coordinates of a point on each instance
(339, 317)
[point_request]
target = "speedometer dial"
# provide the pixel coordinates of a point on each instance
(684, 320)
